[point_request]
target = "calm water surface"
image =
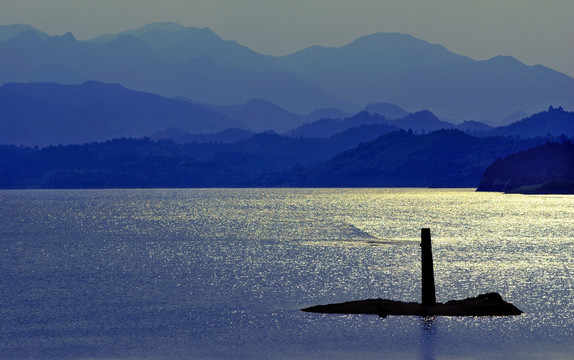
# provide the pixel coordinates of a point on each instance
(221, 274)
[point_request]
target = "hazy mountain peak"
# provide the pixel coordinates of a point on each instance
(125, 37)
(204, 31)
(67, 37)
(422, 121)
(56, 113)
(383, 64)
(193, 42)
(263, 103)
(9, 31)
(391, 42)
(505, 60)
(390, 111)
(152, 27)
(24, 37)
(400, 43)
(262, 115)
(387, 37)
(424, 114)
(513, 117)
(163, 26)
(129, 40)
(185, 37)
(174, 60)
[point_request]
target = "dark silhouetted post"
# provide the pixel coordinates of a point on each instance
(428, 293)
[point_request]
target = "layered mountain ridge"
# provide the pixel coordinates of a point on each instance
(215, 107)
(43, 114)
(173, 60)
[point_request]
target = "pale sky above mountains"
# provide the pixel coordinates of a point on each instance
(533, 31)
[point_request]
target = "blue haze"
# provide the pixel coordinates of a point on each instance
(197, 64)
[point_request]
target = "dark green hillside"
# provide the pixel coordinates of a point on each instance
(125, 163)
(269, 152)
(324, 127)
(547, 169)
(446, 158)
(128, 163)
(554, 121)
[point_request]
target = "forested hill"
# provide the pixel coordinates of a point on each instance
(125, 163)
(547, 169)
(446, 158)
(555, 121)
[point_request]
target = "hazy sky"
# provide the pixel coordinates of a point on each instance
(533, 31)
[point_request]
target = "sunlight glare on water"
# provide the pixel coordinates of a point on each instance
(222, 273)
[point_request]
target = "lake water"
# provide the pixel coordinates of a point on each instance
(222, 274)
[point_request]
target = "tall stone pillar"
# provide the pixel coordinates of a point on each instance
(428, 291)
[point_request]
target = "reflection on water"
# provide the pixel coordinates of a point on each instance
(221, 273)
(428, 334)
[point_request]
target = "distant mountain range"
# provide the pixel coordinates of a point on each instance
(51, 114)
(170, 106)
(196, 64)
(42, 114)
(9, 31)
(360, 150)
(261, 115)
(130, 61)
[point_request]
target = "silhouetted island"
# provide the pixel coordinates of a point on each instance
(490, 304)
